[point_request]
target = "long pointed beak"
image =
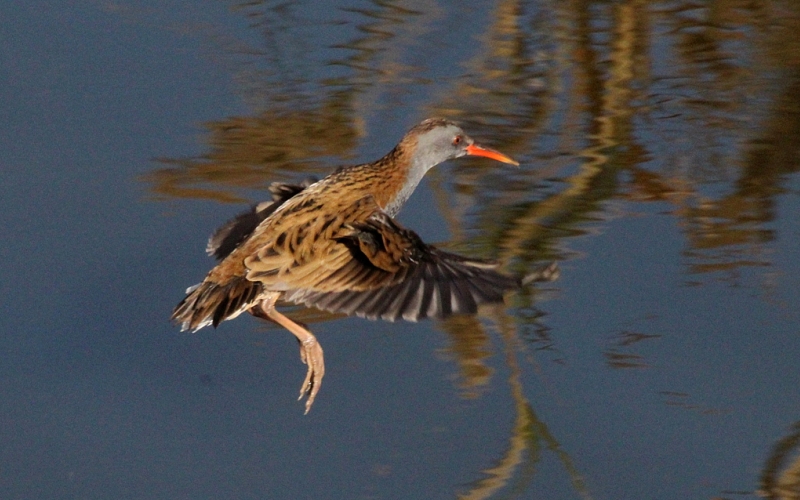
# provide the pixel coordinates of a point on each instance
(475, 150)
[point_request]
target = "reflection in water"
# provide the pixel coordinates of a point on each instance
(780, 479)
(471, 346)
(635, 101)
(683, 401)
(619, 356)
(731, 231)
(529, 438)
(251, 152)
(306, 119)
(616, 84)
(512, 87)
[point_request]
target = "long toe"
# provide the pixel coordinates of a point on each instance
(313, 356)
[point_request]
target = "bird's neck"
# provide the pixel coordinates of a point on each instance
(400, 174)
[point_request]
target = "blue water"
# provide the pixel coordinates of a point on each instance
(662, 363)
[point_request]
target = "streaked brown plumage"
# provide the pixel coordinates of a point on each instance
(333, 244)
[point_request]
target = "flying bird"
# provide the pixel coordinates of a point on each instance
(334, 244)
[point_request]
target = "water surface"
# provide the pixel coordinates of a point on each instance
(659, 144)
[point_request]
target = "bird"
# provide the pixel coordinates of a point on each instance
(334, 244)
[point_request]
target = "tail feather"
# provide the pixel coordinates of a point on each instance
(211, 303)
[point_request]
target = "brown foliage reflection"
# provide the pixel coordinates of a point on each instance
(780, 479)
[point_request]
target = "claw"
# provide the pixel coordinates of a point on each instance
(312, 355)
(310, 351)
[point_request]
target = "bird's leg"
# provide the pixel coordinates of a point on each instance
(310, 350)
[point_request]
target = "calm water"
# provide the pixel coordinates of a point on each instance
(660, 145)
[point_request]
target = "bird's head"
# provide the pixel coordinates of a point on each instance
(438, 140)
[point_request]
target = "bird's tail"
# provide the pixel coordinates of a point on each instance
(210, 303)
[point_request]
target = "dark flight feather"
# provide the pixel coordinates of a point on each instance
(235, 231)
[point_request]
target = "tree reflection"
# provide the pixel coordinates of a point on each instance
(530, 438)
(780, 479)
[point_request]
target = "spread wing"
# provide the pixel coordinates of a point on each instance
(235, 231)
(438, 285)
(358, 260)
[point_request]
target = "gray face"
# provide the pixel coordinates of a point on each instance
(441, 144)
(434, 146)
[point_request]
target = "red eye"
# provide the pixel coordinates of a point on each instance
(457, 140)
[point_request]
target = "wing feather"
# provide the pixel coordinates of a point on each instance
(441, 285)
(235, 231)
(367, 264)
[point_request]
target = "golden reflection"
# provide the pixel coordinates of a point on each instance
(522, 228)
(251, 152)
(780, 479)
(529, 438)
(470, 346)
(731, 231)
(295, 130)
(593, 67)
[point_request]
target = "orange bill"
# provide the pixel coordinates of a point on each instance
(475, 150)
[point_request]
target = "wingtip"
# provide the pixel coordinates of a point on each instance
(186, 326)
(548, 272)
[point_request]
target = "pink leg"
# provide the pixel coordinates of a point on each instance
(310, 350)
